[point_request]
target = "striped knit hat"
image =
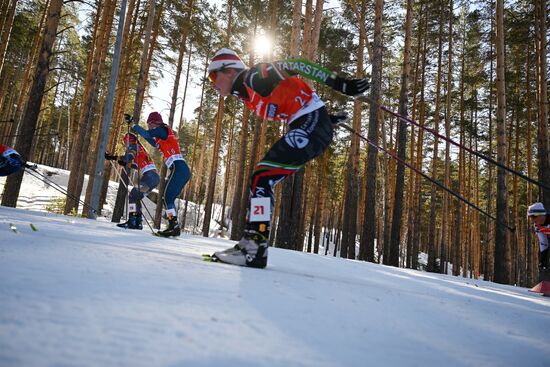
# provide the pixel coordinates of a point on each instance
(225, 59)
(536, 209)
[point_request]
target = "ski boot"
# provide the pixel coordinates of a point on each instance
(250, 251)
(133, 222)
(173, 229)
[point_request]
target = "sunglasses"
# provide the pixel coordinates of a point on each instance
(212, 76)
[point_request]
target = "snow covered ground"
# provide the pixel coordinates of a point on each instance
(81, 292)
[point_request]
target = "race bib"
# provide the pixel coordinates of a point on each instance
(260, 209)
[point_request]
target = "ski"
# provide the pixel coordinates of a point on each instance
(210, 258)
(163, 235)
(13, 227)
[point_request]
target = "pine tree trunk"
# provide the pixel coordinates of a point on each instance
(5, 29)
(240, 181)
(401, 144)
(543, 152)
(417, 201)
(5, 109)
(389, 167)
(52, 151)
(216, 148)
(502, 249)
(227, 180)
(528, 237)
(543, 122)
(27, 80)
(190, 188)
(128, 44)
(349, 223)
(372, 155)
(87, 114)
(459, 240)
(28, 123)
(445, 225)
(212, 177)
(320, 202)
(432, 236)
(411, 222)
(296, 22)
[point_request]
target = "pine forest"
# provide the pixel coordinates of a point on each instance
(440, 157)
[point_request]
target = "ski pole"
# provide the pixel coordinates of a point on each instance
(35, 173)
(352, 130)
(143, 205)
(129, 119)
(461, 146)
(45, 179)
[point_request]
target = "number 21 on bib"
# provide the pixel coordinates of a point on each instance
(260, 209)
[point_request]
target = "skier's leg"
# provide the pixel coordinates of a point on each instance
(148, 181)
(309, 136)
(134, 210)
(179, 175)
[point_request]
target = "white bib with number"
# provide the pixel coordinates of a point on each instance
(260, 209)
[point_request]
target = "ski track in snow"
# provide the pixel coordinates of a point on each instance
(80, 292)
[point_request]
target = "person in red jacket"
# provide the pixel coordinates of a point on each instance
(275, 93)
(136, 157)
(163, 138)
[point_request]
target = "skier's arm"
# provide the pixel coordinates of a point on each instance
(150, 134)
(160, 132)
(131, 153)
(128, 158)
(351, 87)
(125, 161)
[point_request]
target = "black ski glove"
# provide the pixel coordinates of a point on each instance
(351, 87)
(123, 163)
(129, 119)
(110, 157)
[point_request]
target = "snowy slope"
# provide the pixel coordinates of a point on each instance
(45, 189)
(80, 292)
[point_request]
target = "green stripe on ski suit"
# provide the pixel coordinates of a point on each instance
(307, 69)
(272, 165)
